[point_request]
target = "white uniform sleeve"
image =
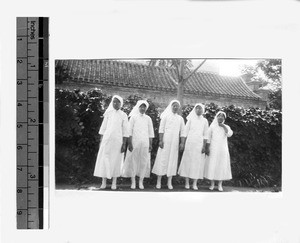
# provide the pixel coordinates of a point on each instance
(150, 128)
(130, 126)
(209, 134)
(125, 126)
(230, 132)
(103, 126)
(187, 128)
(182, 127)
(205, 129)
(162, 125)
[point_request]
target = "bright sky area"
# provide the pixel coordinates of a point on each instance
(227, 67)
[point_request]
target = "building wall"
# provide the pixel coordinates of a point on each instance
(263, 93)
(162, 98)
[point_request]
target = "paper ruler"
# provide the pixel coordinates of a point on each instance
(32, 122)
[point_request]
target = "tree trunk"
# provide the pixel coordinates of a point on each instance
(182, 80)
(180, 91)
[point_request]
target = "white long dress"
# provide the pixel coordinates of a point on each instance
(109, 160)
(137, 162)
(166, 162)
(193, 160)
(217, 166)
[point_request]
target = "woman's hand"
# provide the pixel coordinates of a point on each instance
(123, 148)
(224, 127)
(161, 144)
(207, 149)
(130, 147)
(181, 147)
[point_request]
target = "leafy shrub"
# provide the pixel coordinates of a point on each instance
(255, 147)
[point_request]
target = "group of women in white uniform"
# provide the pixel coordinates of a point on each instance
(205, 148)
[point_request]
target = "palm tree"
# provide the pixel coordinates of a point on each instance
(183, 69)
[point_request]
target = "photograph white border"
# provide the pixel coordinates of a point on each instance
(145, 29)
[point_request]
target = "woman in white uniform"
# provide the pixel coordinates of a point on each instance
(170, 129)
(137, 161)
(217, 165)
(193, 158)
(113, 135)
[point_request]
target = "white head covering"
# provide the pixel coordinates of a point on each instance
(135, 109)
(110, 107)
(168, 110)
(193, 112)
(215, 121)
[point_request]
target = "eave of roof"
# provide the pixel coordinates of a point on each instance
(138, 75)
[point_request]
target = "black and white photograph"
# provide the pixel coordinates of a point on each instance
(168, 124)
(149, 121)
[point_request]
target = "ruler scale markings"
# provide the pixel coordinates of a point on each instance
(32, 175)
(32, 71)
(40, 127)
(27, 124)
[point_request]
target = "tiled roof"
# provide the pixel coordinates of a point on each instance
(136, 75)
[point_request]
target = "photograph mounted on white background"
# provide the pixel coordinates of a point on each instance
(196, 125)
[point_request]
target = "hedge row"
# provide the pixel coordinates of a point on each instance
(255, 147)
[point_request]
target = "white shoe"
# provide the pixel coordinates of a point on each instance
(187, 186)
(170, 187)
(220, 188)
(103, 186)
(158, 186)
(133, 186)
(211, 188)
(195, 187)
(141, 186)
(113, 187)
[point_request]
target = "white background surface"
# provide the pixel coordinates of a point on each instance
(142, 29)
